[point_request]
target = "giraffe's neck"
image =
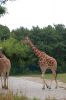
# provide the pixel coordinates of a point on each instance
(37, 52)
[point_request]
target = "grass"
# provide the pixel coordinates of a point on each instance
(10, 96)
(61, 77)
(50, 98)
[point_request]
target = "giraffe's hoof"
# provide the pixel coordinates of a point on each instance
(48, 87)
(56, 87)
(6, 87)
(61, 87)
(43, 88)
(2, 87)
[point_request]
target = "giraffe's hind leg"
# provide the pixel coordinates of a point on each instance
(5, 77)
(2, 80)
(56, 82)
(54, 78)
(42, 76)
(6, 80)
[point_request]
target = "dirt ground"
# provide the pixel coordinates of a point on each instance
(32, 87)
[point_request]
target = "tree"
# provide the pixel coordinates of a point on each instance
(3, 9)
(20, 33)
(4, 32)
(4, 1)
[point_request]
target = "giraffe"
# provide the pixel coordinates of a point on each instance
(45, 62)
(5, 66)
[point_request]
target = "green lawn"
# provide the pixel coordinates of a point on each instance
(61, 77)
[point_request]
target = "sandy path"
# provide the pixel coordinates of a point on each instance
(32, 87)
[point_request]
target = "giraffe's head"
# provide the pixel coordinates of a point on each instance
(26, 40)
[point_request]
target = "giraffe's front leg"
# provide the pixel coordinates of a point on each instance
(5, 83)
(42, 76)
(44, 83)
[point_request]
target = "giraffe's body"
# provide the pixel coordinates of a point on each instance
(45, 61)
(48, 62)
(5, 66)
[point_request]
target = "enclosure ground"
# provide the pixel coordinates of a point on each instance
(32, 87)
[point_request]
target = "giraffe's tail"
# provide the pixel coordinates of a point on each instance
(56, 73)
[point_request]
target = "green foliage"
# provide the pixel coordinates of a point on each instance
(4, 1)
(4, 32)
(20, 33)
(16, 52)
(2, 10)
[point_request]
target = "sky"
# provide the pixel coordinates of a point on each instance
(28, 13)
